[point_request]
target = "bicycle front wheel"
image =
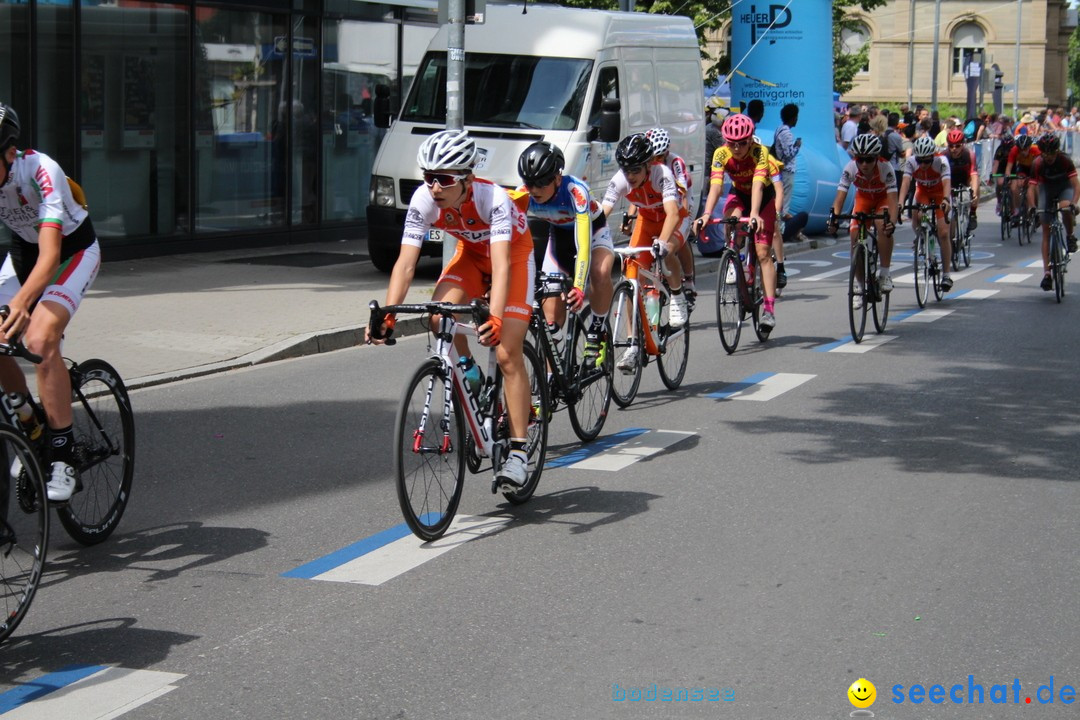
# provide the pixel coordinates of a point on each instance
(857, 295)
(429, 457)
(537, 433)
(592, 392)
(24, 528)
(627, 345)
(1057, 258)
(757, 297)
(676, 353)
(104, 429)
(965, 248)
(922, 270)
(881, 311)
(728, 303)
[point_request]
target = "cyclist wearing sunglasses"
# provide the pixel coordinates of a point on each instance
(963, 170)
(1021, 158)
(494, 255)
(1054, 184)
(53, 260)
(875, 191)
(578, 238)
(933, 184)
(651, 188)
(752, 194)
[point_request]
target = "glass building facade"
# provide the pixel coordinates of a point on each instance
(201, 125)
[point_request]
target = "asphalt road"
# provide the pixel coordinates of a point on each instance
(905, 514)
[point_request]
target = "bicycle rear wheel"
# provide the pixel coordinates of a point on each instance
(626, 332)
(429, 463)
(537, 432)
(954, 240)
(965, 248)
(104, 429)
(676, 353)
(729, 311)
(24, 528)
(922, 270)
(588, 411)
(857, 315)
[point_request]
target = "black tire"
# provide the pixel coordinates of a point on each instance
(104, 428)
(24, 529)
(589, 411)
(881, 310)
(954, 241)
(922, 270)
(676, 354)
(757, 296)
(729, 312)
(1028, 225)
(935, 277)
(857, 317)
(538, 424)
(428, 480)
(965, 249)
(1057, 258)
(626, 330)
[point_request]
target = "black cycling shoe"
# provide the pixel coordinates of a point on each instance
(973, 222)
(1047, 282)
(781, 279)
(1072, 243)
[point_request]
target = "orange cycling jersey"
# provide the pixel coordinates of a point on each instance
(743, 173)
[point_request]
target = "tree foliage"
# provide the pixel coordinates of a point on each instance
(1074, 63)
(846, 65)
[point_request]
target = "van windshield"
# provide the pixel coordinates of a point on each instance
(515, 91)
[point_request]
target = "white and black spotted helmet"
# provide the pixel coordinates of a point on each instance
(866, 144)
(660, 140)
(447, 150)
(925, 147)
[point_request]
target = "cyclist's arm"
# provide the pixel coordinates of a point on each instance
(49, 240)
(974, 181)
(1034, 181)
(402, 275)
(757, 190)
(671, 220)
(905, 184)
(838, 202)
(946, 187)
(894, 207)
(583, 243)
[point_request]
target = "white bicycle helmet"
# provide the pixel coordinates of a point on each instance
(925, 147)
(660, 140)
(447, 150)
(866, 144)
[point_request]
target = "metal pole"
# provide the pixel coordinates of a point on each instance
(455, 90)
(934, 71)
(1016, 80)
(911, 56)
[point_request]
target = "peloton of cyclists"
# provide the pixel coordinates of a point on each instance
(494, 253)
(1020, 160)
(933, 181)
(875, 192)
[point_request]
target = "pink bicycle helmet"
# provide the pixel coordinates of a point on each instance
(737, 127)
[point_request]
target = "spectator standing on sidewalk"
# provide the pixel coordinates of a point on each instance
(786, 148)
(850, 128)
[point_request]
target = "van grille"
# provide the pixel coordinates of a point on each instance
(408, 187)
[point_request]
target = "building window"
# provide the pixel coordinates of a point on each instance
(967, 39)
(853, 41)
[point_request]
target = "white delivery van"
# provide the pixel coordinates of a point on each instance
(549, 74)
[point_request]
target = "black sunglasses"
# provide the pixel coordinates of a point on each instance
(541, 183)
(924, 160)
(633, 169)
(866, 159)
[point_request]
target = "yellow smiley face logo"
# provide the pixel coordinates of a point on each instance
(862, 693)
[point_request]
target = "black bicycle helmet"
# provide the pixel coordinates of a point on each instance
(1048, 142)
(633, 150)
(9, 127)
(1023, 142)
(540, 163)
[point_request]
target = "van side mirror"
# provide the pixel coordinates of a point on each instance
(609, 130)
(384, 114)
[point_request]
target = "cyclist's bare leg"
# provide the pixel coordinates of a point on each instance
(11, 376)
(42, 337)
(600, 286)
(515, 378)
(455, 295)
(944, 243)
(686, 258)
(1015, 190)
(885, 246)
(555, 311)
(671, 262)
(768, 269)
(854, 235)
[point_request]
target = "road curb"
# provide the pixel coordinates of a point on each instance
(322, 341)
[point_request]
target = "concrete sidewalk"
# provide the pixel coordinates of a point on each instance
(168, 318)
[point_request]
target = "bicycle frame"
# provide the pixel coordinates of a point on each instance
(558, 363)
(632, 269)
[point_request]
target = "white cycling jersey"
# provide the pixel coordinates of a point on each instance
(37, 194)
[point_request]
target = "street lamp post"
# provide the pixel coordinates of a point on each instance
(1016, 79)
(937, 36)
